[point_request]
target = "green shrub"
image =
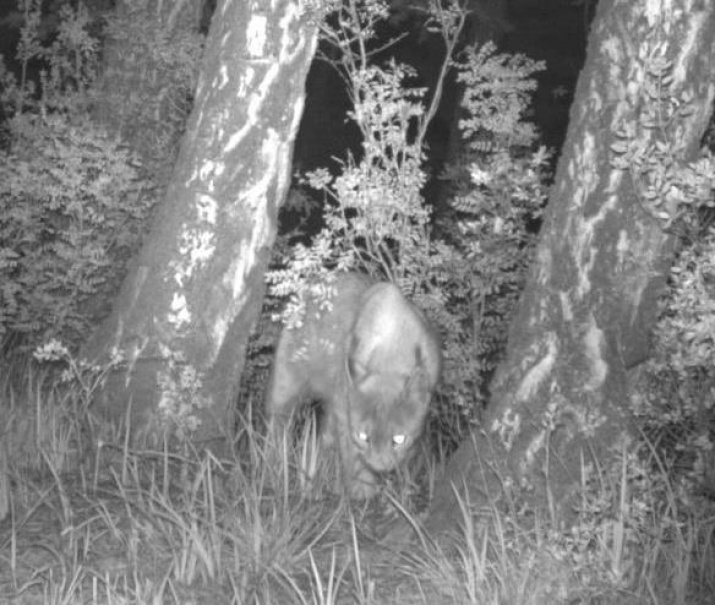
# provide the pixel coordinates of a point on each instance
(71, 212)
(675, 401)
(73, 200)
(377, 221)
(673, 394)
(498, 192)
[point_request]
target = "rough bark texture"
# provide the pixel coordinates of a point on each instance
(195, 290)
(587, 311)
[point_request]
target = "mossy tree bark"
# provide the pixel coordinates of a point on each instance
(195, 290)
(588, 309)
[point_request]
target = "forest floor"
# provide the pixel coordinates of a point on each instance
(111, 524)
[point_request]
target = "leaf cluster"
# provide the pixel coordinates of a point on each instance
(676, 396)
(67, 62)
(73, 200)
(71, 213)
(675, 393)
(497, 93)
(667, 188)
(498, 187)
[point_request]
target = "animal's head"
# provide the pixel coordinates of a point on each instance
(393, 363)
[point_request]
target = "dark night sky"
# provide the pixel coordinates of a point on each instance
(552, 30)
(549, 30)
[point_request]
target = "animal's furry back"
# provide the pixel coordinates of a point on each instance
(373, 361)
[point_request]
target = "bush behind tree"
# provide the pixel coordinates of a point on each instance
(377, 221)
(71, 212)
(74, 200)
(673, 392)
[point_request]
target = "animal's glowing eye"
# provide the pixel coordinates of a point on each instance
(362, 437)
(399, 440)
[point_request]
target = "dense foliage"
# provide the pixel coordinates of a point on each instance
(673, 396)
(376, 219)
(71, 211)
(675, 400)
(74, 199)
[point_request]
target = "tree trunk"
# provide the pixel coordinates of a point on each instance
(192, 296)
(588, 309)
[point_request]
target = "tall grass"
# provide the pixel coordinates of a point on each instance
(90, 517)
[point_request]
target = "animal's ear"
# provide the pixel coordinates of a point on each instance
(418, 384)
(375, 331)
(356, 361)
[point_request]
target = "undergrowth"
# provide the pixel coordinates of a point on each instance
(104, 520)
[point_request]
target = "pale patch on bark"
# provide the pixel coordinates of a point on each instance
(253, 111)
(264, 89)
(245, 83)
(642, 56)
(581, 172)
(292, 13)
(589, 179)
(622, 247)
(545, 264)
(614, 181)
(566, 308)
(612, 48)
(256, 35)
(207, 209)
(540, 370)
(662, 11)
(222, 78)
(208, 169)
(682, 68)
(594, 341)
(255, 197)
(179, 315)
(297, 115)
(587, 254)
(234, 279)
(196, 247)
